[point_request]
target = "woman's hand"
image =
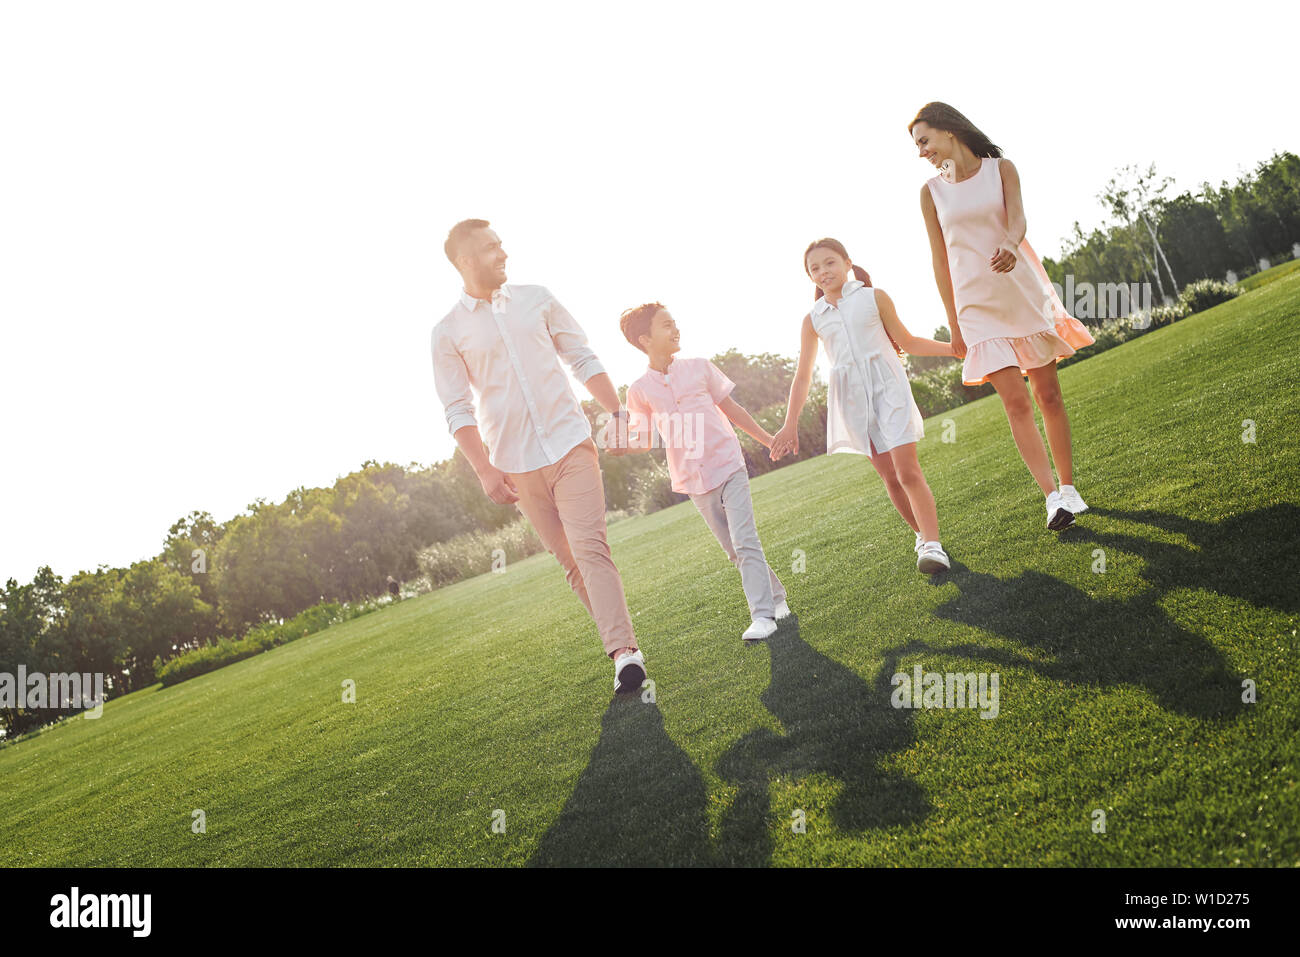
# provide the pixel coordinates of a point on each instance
(1004, 260)
(958, 343)
(786, 440)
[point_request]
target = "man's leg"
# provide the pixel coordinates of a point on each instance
(580, 501)
(537, 503)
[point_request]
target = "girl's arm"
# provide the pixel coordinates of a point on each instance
(942, 278)
(1004, 257)
(787, 439)
(906, 341)
(737, 414)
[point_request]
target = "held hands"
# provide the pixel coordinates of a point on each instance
(958, 343)
(786, 440)
(613, 437)
(498, 486)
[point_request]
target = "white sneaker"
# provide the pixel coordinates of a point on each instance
(629, 672)
(782, 611)
(1058, 516)
(759, 629)
(1072, 500)
(920, 540)
(932, 559)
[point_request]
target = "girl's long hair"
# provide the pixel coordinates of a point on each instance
(858, 272)
(941, 116)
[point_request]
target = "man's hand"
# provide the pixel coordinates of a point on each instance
(498, 486)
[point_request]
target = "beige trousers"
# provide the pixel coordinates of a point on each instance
(565, 503)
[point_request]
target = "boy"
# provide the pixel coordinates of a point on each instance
(688, 402)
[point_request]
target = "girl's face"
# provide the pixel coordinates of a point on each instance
(827, 268)
(933, 145)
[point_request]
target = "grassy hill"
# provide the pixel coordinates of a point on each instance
(1119, 691)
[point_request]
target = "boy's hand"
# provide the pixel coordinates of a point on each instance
(787, 440)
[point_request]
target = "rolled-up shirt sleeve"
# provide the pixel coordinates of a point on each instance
(451, 379)
(570, 341)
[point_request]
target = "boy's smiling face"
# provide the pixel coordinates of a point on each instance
(664, 338)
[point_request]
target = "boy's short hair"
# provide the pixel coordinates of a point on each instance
(635, 322)
(459, 233)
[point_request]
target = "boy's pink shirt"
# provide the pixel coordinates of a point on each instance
(699, 440)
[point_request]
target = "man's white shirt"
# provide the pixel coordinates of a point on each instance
(508, 351)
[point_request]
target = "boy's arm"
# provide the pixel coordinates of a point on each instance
(906, 341)
(734, 411)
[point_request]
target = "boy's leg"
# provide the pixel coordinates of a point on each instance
(580, 501)
(537, 504)
(755, 575)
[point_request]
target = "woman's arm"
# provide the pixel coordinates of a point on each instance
(734, 411)
(908, 342)
(942, 277)
(787, 439)
(1004, 257)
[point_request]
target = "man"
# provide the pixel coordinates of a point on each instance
(505, 342)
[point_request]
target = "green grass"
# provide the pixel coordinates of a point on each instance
(1119, 691)
(1270, 275)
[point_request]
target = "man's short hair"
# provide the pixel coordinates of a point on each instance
(635, 322)
(455, 243)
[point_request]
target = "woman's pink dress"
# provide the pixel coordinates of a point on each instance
(1007, 319)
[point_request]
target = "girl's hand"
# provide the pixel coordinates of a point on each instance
(1004, 260)
(958, 343)
(786, 440)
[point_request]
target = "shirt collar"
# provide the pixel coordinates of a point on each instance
(851, 285)
(659, 376)
(499, 299)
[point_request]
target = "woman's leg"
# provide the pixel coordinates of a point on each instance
(1047, 394)
(1011, 389)
(918, 492)
(883, 463)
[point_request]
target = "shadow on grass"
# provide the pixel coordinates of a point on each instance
(1093, 642)
(1254, 556)
(640, 801)
(835, 724)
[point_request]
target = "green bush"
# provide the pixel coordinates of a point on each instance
(471, 553)
(1204, 293)
(1164, 315)
(261, 637)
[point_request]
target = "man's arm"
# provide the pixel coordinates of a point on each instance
(451, 380)
(571, 346)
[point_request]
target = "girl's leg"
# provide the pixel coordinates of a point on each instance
(883, 463)
(1020, 415)
(1047, 394)
(918, 492)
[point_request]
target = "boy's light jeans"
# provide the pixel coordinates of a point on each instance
(729, 512)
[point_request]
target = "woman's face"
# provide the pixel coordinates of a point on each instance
(827, 268)
(933, 145)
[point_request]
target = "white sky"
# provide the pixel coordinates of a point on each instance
(221, 224)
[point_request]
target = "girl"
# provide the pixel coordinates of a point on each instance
(1004, 315)
(870, 409)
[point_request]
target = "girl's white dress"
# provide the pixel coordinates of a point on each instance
(870, 400)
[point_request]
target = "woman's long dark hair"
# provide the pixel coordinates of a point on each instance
(860, 273)
(941, 116)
